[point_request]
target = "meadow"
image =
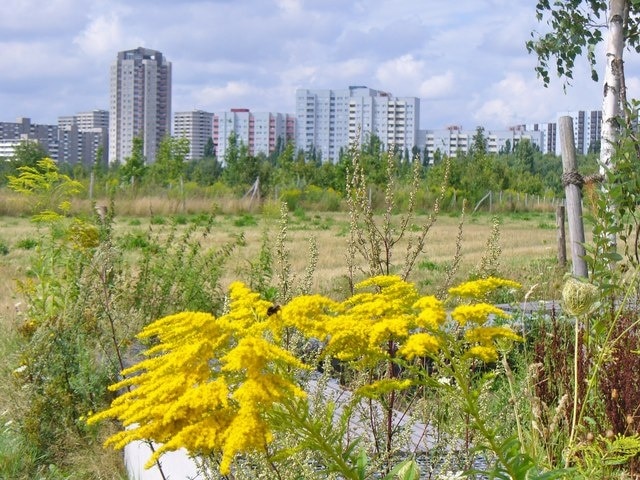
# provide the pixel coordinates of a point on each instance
(79, 286)
(528, 243)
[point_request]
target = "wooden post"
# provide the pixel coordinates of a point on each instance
(562, 242)
(572, 183)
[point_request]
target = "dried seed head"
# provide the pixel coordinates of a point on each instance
(590, 437)
(614, 393)
(609, 434)
(578, 297)
(629, 419)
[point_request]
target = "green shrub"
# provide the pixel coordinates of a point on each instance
(4, 248)
(245, 220)
(27, 243)
(180, 219)
(133, 241)
(292, 198)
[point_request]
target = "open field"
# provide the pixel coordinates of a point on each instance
(527, 241)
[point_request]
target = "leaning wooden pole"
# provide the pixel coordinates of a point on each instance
(572, 182)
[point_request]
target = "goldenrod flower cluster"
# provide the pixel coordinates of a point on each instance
(479, 289)
(207, 383)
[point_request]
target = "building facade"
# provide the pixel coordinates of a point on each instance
(453, 140)
(260, 132)
(140, 102)
(23, 129)
(587, 127)
(84, 138)
(197, 127)
(328, 121)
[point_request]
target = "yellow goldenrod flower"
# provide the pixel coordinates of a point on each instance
(486, 336)
(383, 386)
(432, 313)
(477, 313)
(419, 345)
(206, 383)
(478, 289)
(483, 353)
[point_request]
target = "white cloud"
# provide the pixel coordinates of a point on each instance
(105, 36)
(438, 86)
(232, 93)
(401, 75)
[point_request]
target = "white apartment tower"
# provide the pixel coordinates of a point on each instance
(197, 127)
(140, 103)
(453, 139)
(329, 120)
(260, 132)
(587, 126)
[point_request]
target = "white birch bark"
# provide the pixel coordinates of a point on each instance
(613, 82)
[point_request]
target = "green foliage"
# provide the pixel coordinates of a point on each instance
(157, 220)
(241, 169)
(134, 168)
(50, 190)
(169, 165)
(4, 248)
(27, 243)
(133, 241)
(28, 154)
(245, 220)
(573, 34)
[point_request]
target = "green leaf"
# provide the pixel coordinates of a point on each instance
(406, 470)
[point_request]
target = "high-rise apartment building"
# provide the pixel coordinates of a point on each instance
(587, 126)
(259, 132)
(140, 102)
(453, 139)
(197, 127)
(83, 138)
(328, 121)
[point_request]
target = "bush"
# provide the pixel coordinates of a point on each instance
(27, 244)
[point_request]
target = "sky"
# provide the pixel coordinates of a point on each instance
(465, 59)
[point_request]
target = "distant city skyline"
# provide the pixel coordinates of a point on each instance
(466, 62)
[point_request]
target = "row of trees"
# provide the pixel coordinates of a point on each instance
(521, 168)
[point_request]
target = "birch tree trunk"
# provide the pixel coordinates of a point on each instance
(613, 82)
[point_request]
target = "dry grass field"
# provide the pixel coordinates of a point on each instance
(527, 241)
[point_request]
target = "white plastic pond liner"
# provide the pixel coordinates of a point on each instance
(178, 466)
(175, 465)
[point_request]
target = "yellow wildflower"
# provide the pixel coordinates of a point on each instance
(206, 382)
(388, 329)
(383, 386)
(476, 313)
(478, 289)
(484, 353)
(487, 335)
(419, 345)
(432, 313)
(309, 314)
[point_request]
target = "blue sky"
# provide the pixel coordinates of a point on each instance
(465, 59)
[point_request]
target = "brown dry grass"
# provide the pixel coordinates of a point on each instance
(528, 245)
